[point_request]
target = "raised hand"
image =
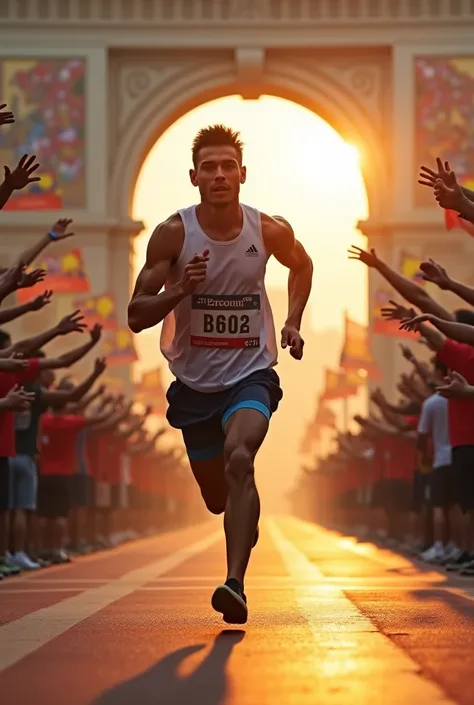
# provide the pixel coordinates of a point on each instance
(60, 227)
(6, 117)
(21, 176)
(291, 338)
(368, 258)
(449, 197)
(18, 399)
(72, 323)
(100, 365)
(95, 333)
(428, 177)
(413, 323)
(195, 272)
(11, 278)
(397, 312)
(435, 273)
(455, 386)
(31, 278)
(41, 301)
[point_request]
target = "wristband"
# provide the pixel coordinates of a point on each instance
(52, 235)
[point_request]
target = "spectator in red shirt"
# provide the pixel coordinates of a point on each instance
(453, 342)
(58, 442)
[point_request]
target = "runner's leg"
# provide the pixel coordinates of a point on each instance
(245, 431)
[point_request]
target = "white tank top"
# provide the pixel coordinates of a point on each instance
(224, 331)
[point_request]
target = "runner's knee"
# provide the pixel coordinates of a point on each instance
(239, 462)
(214, 506)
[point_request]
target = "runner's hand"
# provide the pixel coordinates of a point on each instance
(290, 337)
(195, 272)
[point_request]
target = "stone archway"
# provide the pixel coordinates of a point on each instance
(149, 95)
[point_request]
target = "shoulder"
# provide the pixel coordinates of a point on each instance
(166, 239)
(277, 233)
(455, 352)
(275, 226)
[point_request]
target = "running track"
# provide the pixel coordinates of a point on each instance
(331, 622)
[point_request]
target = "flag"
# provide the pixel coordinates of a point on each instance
(119, 347)
(356, 353)
(324, 415)
(114, 385)
(65, 274)
(410, 268)
(385, 326)
(311, 436)
(341, 384)
(150, 390)
(452, 220)
(99, 309)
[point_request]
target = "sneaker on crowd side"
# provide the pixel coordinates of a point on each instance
(467, 568)
(60, 557)
(434, 554)
(229, 599)
(23, 561)
(459, 563)
(7, 569)
(451, 555)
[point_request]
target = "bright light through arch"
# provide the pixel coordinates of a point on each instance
(298, 167)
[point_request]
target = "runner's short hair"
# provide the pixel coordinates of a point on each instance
(217, 136)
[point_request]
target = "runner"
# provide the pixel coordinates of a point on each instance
(218, 336)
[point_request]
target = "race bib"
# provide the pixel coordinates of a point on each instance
(225, 321)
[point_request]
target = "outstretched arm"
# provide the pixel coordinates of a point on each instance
(36, 304)
(70, 358)
(60, 397)
(410, 291)
(58, 232)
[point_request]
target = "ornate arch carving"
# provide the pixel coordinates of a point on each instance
(149, 97)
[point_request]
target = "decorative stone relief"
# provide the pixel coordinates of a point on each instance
(136, 82)
(364, 81)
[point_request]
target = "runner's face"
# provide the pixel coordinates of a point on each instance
(218, 175)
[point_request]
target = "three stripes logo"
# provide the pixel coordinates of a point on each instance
(251, 252)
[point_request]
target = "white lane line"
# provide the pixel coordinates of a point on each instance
(347, 643)
(29, 633)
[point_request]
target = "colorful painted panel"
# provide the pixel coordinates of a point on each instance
(47, 97)
(444, 117)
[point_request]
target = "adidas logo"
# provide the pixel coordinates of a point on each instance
(251, 252)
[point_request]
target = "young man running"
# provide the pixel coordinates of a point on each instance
(218, 336)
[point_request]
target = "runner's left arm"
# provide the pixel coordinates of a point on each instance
(281, 242)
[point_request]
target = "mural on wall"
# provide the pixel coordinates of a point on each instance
(47, 97)
(444, 117)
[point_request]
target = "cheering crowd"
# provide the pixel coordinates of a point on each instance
(79, 471)
(406, 479)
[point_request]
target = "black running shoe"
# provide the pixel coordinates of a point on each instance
(230, 601)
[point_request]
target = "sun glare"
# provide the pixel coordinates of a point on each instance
(298, 167)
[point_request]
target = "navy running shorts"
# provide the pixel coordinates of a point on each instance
(202, 416)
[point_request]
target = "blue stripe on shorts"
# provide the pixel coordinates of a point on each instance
(207, 453)
(246, 404)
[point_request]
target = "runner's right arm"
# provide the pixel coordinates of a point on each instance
(148, 306)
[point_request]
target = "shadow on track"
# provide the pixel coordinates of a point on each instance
(162, 685)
